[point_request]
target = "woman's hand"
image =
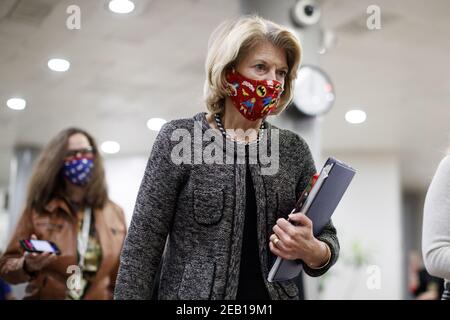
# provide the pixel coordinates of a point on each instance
(296, 241)
(34, 262)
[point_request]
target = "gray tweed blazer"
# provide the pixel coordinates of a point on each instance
(191, 215)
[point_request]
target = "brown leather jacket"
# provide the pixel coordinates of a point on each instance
(58, 224)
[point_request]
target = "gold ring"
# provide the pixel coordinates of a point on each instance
(275, 241)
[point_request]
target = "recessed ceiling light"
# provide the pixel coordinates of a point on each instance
(121, 6)
(59, 65)
(355, 116)
(110, 147)
(155, 124)
(16, 103)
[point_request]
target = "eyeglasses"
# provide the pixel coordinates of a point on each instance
(89, 151)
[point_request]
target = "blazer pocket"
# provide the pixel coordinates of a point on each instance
(290, 289)
(208, 204)
(197, 281)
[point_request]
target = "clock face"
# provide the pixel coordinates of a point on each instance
(314, 92)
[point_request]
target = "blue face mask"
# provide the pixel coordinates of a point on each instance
(78, 170)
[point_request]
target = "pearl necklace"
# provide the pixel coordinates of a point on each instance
(226, 135)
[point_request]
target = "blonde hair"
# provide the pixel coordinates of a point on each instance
(231, 41)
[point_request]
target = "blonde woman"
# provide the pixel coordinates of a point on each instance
(220, 201)
(436, 226)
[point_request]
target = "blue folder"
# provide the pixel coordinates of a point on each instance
(320, 210)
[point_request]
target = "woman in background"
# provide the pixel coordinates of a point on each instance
(422, 285)
(436, 226)
(67, 204)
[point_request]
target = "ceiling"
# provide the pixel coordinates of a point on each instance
(127, 69)
(399, 74)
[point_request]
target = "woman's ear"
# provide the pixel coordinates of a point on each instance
(231, 68)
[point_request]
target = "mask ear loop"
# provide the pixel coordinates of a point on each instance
(229, 87)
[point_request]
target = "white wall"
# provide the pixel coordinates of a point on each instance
(368, 221)
(4, 220)
(123, 176)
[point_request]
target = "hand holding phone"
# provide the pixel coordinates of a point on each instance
(38, 253)
(39, 246)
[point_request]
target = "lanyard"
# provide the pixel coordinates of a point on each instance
(83, 236)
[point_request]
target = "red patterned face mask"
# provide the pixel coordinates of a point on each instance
(254, 99)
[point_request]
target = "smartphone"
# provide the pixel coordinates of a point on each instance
(40, 246)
